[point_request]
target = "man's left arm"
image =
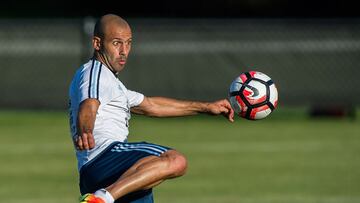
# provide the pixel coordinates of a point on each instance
(167, 107)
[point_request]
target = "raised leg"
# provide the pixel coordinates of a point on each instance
(149, 172)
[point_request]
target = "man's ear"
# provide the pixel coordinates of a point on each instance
(96, 42)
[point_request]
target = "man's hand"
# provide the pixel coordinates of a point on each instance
(85, 141)
(221, 107)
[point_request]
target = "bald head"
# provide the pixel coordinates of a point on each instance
(112, 41)
(107, 21)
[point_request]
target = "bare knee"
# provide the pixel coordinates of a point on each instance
(176, 163)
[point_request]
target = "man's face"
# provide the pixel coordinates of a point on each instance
(115, 46)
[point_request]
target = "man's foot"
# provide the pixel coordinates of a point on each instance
(91, 198)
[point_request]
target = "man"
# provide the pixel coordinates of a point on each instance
(110, 168)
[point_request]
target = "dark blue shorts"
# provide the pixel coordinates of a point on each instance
(111, 163)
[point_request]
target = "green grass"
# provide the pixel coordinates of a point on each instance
(284, 158)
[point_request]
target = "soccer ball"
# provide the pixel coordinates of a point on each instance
(253, 95)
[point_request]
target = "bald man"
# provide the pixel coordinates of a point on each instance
(112, 169)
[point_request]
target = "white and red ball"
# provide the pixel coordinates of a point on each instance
(253, 95)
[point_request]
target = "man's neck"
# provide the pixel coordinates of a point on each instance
(103, 60)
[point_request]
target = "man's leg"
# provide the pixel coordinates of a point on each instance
(121, 161)
(149, 172)
(146, 196)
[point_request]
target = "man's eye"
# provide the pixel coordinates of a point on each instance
(115, 43)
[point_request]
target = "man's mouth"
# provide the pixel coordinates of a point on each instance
(122, 61)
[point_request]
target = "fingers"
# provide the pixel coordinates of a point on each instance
(228, 113)
(91, 141)
(225, 108)
(78, 143)
(85, 141)
(231, 115)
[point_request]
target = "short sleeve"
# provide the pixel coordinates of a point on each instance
(134, 98)
(94, 84)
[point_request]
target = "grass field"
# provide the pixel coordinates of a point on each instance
(286, 158)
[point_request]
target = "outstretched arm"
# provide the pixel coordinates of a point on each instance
(167, 107)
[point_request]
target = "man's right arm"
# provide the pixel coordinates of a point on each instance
(85, 124)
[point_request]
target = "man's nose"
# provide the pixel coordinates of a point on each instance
(123, 49)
